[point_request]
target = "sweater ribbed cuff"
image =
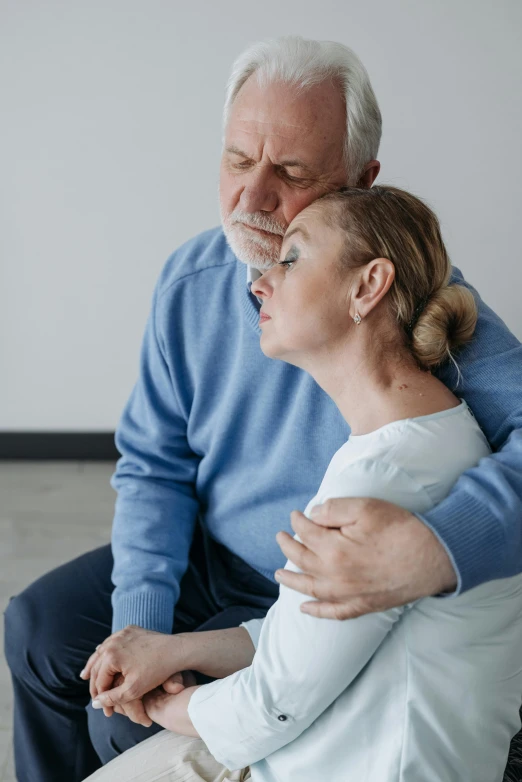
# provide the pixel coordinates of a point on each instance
(147, 609)
(472, 537)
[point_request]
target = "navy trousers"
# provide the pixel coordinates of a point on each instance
(53, 627)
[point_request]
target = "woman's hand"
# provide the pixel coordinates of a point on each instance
(135, 710)
(142, 659)
(171, 711)
(178, 682)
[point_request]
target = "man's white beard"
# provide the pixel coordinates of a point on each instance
(249, 247)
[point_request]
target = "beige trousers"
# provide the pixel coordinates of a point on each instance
(169, 758)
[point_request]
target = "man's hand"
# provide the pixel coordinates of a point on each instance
(141, 659)
(363, 555)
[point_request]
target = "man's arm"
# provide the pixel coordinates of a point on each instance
(480, 522)
(156, 506)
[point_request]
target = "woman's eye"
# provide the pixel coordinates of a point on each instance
(291, 258)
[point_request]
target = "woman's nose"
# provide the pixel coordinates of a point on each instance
(261, 287)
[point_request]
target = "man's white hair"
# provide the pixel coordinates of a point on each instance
(304, 62)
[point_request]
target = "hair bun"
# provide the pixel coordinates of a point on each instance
(446, 323)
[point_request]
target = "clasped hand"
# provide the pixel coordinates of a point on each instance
(358, 555)
(131, 663)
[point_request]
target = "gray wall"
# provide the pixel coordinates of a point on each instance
(109, 151)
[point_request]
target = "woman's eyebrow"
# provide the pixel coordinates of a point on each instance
(298, 229)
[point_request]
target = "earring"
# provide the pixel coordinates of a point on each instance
(357, 319)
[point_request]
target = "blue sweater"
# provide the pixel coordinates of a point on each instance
(215, 429)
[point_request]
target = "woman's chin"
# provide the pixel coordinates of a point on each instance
(272, 350)
(269, 351)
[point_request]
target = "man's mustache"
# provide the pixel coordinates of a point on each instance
(257, 220)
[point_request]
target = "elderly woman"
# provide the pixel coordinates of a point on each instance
(428, 692)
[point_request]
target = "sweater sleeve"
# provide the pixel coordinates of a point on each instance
(480, 521)
(156, 505)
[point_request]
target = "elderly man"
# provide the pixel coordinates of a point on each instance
(219, 444)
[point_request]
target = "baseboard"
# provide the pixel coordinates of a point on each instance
(59, 446)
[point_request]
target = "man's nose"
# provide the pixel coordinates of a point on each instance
(259, 193)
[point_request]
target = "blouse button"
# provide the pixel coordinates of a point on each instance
(282, 718)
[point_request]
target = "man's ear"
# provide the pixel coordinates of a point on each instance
(369, 174)
(374, 282)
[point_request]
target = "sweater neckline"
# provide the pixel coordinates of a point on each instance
(250, 304)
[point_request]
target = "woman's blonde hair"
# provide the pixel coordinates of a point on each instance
(385, 222)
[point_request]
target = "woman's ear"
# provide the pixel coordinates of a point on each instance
(374, 281)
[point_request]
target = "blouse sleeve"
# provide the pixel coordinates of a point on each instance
(302, 664)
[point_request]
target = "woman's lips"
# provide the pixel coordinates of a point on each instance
(263, 317)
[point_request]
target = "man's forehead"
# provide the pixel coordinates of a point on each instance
(249, 124)
(252, 120)
(280, 100)
(283, 115)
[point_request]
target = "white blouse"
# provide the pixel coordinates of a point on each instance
(428, 692)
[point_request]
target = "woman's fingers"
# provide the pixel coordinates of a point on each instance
(173, 688)
(120, 689)
(119, 709)
(135, 711)
(174, 684)
(153, 701)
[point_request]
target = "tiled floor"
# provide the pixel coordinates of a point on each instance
(49, 513)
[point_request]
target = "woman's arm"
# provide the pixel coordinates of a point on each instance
(302, 664)
(219, 653)
(145, 659)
